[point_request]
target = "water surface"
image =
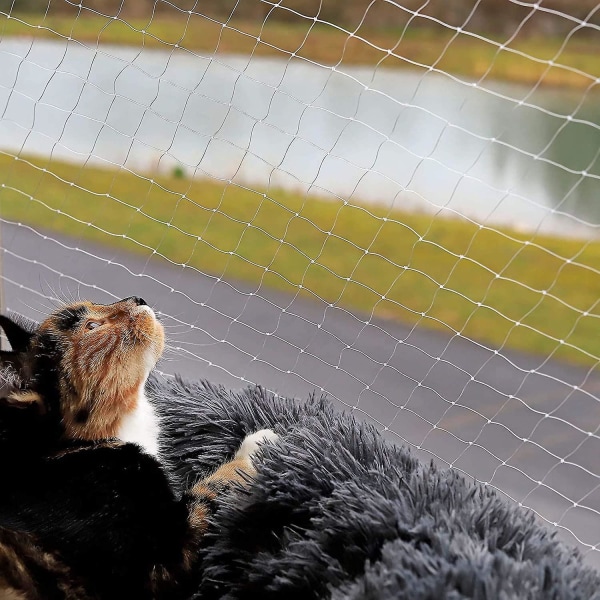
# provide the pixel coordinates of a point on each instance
(398, 138)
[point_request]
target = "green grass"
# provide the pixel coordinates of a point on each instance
(408, 267)
(465, 55)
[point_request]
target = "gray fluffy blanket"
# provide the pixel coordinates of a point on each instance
(337, 512)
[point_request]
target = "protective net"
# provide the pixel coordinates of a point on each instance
(393, 203)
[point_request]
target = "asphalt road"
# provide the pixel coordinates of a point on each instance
(527, 426)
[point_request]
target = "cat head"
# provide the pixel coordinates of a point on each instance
(83, 369)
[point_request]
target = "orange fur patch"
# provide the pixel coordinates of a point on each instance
(26, 398)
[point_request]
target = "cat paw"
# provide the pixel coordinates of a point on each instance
(254, 441)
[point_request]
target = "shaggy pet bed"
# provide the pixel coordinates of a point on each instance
(337, 512)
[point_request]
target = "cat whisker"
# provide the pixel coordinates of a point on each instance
(55, 298)
(199, 344)
(37, 310)
(46, 294)
(68, 295)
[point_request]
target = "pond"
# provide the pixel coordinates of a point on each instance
(506, 154)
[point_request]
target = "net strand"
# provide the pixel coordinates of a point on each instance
(374, 363)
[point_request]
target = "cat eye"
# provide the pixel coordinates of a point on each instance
(92, 324)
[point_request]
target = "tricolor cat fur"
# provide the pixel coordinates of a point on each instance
(86, 509)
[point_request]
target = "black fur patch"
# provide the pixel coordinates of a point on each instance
(68, 318)
(82, 415)
(18, 331)
(114, 515)
(46, 365)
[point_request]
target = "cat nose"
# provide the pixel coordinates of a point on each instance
(139, 301)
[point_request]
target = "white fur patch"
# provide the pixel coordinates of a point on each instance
(144, 308)
(252, 443)
(141, 426)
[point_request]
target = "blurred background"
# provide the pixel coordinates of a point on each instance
(557, 17)
(391, 203)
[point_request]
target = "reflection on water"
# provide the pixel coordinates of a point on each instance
(386, 136)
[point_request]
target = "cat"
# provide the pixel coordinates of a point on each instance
(87, 510)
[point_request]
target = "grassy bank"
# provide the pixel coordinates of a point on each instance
(465, 55)
(440, 272)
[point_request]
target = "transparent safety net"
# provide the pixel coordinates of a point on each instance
(393, 203)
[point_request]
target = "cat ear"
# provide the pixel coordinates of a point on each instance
(18, 336)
